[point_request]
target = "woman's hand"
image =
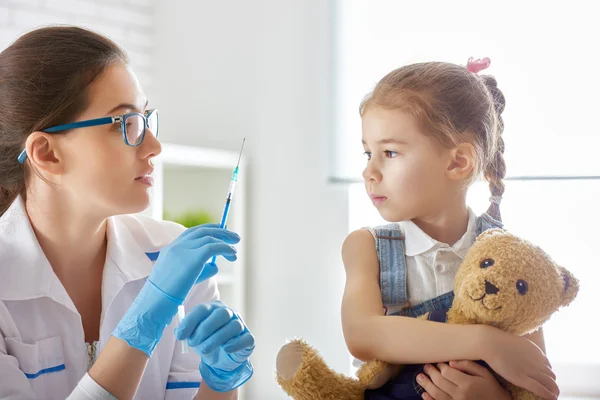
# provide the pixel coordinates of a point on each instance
(178, 268)
(224, 343)
(181, 264)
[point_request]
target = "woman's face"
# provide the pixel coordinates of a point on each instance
(99, 171)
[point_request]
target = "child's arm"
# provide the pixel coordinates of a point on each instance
(398, 340)
(537, 337)
(402, 340)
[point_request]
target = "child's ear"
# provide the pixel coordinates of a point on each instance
(462, 161)
(570, 288)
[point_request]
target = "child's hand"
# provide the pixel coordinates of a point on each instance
(461, 380)
(521, 362)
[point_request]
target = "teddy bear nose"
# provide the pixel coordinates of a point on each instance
(490, 288)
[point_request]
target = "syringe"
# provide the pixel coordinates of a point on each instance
(232, 185)
(222, 225)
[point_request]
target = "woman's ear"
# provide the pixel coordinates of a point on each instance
(43, 153)
(462, 161)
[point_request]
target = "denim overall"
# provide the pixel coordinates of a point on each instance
(392, 280)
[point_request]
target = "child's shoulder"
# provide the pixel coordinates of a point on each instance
(357, 237)
(358, 245)
(393, 230)
(363, 240)
(367, 234)
(360, 258)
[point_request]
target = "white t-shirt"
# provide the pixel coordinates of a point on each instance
(43, 354)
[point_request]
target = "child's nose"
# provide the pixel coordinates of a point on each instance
(371, 173)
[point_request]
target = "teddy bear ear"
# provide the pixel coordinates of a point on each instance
(491, 232)
(570, 288)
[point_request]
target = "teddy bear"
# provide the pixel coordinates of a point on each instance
(503, 281)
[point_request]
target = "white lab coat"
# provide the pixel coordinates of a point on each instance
(42, 348)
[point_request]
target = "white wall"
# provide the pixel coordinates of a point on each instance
(261, 69)
(128, 22)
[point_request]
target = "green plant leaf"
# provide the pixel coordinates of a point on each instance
(191, 218)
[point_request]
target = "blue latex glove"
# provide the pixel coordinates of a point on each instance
(224, 343)
(178, 268)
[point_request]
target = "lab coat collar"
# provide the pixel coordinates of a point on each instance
(25, 272)
(24, 269)
(133, 259)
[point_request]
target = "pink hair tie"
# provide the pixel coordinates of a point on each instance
(475, 66)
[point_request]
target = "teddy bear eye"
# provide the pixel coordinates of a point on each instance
(488, 262)
(522, 287)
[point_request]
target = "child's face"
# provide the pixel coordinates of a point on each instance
(406, 175)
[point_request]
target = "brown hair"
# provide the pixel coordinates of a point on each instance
(44, 77)
(454, 106)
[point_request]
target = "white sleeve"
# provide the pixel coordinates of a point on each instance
(184, 374)
(88, 389)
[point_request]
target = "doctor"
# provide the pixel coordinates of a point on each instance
(87, 292)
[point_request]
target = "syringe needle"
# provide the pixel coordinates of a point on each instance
(240, 157)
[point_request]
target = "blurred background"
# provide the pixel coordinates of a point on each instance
(288, 75)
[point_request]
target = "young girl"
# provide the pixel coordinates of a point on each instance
(429, 130)
(79, 277)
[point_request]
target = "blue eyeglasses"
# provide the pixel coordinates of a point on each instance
(133, 127)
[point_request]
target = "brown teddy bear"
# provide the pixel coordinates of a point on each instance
(503, 281)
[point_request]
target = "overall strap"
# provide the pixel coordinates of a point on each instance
(486, 222)
(392, 264)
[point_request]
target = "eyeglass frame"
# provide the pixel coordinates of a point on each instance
(102, 121)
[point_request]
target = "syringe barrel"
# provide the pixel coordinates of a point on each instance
(232, 185)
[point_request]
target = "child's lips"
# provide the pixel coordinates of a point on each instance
(377, 200)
